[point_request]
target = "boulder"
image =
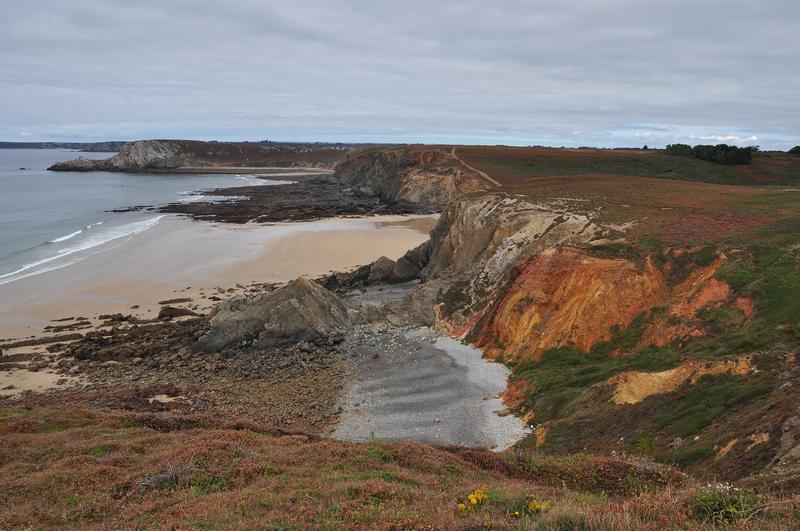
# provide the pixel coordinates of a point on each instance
(381, 270)
(410, 265)
(300, 310)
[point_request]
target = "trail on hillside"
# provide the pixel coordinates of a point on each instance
(476, 170)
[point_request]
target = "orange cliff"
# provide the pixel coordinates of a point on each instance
(565, 296)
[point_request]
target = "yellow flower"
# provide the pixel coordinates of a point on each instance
(473, 500)
(461, 507)
(538, 507)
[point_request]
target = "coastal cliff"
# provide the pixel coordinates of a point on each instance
(422, 175)
(636, 315)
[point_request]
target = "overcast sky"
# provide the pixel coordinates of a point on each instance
(591, 72)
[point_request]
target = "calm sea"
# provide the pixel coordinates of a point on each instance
(50, 220)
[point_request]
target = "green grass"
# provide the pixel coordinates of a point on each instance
(563, 375)
(687, 455)
(707, 401)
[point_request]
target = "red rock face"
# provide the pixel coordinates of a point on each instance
(566, 297)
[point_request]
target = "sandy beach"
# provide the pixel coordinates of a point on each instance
(180, 258)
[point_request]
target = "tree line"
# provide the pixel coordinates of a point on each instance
(721, 153)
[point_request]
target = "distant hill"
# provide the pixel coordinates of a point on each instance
(112, 145)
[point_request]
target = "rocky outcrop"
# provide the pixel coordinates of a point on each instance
(139, 155)
(477, 246)
(518, 278)
(300, 310)
(425, 176)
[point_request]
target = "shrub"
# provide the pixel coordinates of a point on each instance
(722, 504)
(679, 149)
(721, 153)
(795, 150)
(724, 154)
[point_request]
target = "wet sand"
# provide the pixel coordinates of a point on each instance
(179, 258)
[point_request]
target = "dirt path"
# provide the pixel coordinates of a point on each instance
(476, 170)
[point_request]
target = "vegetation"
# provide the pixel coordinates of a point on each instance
(196, 474)
(515, 166)
(722, 504)
(721, 153)
(795, 150)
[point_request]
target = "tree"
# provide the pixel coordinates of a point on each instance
(795, 150)
(679, 149)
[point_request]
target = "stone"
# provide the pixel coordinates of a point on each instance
(301, 310)
(170, 312)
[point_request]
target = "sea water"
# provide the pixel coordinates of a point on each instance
(50, 220)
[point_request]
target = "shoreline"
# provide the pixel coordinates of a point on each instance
(171, 260)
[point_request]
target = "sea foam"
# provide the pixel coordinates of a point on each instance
(95, 240)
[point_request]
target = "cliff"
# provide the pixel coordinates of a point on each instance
(422, 175)
(680, 353)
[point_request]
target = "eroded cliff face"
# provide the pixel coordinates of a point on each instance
(564, 297)
(475, 250)
(518, 278)
(426, 176)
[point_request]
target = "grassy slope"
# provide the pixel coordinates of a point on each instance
(83, 469)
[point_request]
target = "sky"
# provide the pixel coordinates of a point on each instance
(573, 73)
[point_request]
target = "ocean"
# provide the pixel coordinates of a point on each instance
(50, 220)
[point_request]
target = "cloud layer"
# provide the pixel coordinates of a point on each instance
(591, 72)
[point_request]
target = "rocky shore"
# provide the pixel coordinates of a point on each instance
(306, 200)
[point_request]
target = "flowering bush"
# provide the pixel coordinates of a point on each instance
(723, 504)
(475, 499)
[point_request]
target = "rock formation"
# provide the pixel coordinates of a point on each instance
(139, 155)
(426, 176)
(300, 310)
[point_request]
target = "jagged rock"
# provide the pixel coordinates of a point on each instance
(789, 450)
(381, 270)
(410, 265)
(170, 312)
(301, 310)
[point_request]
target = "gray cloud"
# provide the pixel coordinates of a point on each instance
(610, 72)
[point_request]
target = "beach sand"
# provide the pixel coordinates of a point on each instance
(180, 258)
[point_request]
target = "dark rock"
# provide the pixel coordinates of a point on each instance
(301, 310)
(170, 312)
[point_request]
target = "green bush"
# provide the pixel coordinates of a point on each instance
(795, 150)
(722, 504)
(721, 153)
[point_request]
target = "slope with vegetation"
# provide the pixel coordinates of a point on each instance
(82, 469)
